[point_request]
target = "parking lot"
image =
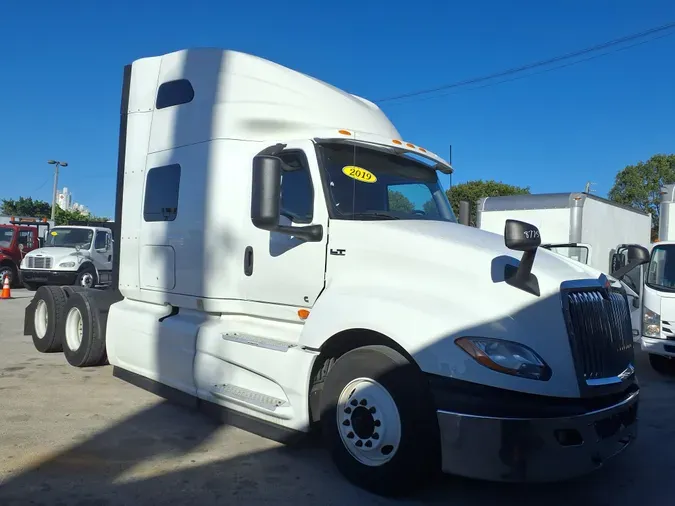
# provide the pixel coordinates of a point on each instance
(80, 437)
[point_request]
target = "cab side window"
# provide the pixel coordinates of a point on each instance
(297, 192)
(26, 238)
(100, 241)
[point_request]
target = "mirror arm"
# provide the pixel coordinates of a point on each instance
(618, 274)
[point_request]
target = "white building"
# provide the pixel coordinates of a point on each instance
(64, 200)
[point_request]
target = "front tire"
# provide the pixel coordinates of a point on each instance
(662, 365)
(9, 271)
(86, 278)
(378, 421)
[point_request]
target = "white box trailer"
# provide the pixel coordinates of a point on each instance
(286, 257)
(580, 225)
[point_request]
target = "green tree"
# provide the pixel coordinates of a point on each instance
(399, 202)
(472, 191)
(25, 206)
(640, 185)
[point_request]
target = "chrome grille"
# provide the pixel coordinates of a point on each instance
(39, 262)
(600, 332)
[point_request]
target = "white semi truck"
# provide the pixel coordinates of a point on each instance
(658, 332)
(268, 266)
(587, 228)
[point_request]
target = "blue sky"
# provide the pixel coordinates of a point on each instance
(62, 67)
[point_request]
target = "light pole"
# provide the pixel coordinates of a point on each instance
(56, 164)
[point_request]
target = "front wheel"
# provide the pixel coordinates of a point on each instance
(378, 421)
(662, 365)
(7, 271)
(86, 278)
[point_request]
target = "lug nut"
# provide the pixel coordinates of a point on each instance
(350, 435)
(375, 435)
(369, 444)
(359, 443)
(377, 423)
(348, 410)
(346, 423)
(363, 402)
(354, 402)
(372, 409)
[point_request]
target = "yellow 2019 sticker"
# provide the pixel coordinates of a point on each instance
(54, 233)
(359, 173)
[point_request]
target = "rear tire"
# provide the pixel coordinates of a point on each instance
(379, 423)
(662, 365)
(83, 341)
(49, 305)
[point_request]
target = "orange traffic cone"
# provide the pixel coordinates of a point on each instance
(6, 292)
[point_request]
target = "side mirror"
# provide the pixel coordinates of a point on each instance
(266, 200)
(20, 247)
(618, 261)
(521, 236)
(637, 255)
(41, 242)
(266, 192)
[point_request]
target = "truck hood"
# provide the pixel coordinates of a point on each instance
(448, 250)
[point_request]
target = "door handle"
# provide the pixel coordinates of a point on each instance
(248, 261)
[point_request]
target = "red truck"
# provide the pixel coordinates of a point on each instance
(18, 237)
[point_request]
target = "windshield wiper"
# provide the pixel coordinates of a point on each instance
(376, 214)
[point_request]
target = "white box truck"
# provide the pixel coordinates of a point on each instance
(80, 255)
(658, 332)
(584, 227)
(287, 257)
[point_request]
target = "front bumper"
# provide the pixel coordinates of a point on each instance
(48, 277)
(539, 447)
(656, 346)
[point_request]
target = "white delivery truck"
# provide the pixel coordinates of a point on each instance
(584, 227)
(71, 255)
(286, 257)
(658, 332)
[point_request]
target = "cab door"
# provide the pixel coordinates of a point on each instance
(283, 270)
(102, 255)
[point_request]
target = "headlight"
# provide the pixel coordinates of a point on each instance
(67, 264)
(651, 323)
(506, 357)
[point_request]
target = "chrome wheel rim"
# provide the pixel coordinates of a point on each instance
(368, 422)
(41, 319)
(74, 329)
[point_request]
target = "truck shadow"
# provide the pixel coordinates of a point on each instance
(165, 455)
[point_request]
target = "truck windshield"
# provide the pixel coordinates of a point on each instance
(368, 184)
(6, 235)
(70, 238)
(661, 271)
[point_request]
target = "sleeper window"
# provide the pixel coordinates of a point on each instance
(161, 193)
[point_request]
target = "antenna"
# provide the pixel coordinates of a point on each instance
(588, 187)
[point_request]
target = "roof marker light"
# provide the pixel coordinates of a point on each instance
(344, 132)
(410, 145)
(396, 141)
